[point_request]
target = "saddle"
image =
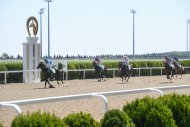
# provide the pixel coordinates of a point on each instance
(101, 67)
(126, 66)
(51, 70)
(171, 65)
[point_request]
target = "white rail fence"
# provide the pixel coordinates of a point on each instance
(66, 72)
(102, 95)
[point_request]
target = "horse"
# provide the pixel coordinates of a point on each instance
(178, 69)
(170, 71)
(101, 72)
(49, 75)
(125, 71)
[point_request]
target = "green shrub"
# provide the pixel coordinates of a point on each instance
(1, 125)
(37, 119)
(116, 118)
(159, 116)
(145, 111)
(180, 106)
(80, 120)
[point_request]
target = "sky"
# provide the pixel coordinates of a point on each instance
(95, 27)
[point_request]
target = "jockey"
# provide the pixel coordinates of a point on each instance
(49, 65)
(176, 60)
(168, 61)
(98, 61)
(126, 61)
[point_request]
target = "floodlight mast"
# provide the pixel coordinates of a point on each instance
(48, 28)
(133, 11)
(41, 12)
(188, 36)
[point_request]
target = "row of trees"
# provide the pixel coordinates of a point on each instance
(182, 55)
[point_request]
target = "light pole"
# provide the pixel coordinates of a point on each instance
(48, 29)
(41, 12)
(188, 38)
(133, 12)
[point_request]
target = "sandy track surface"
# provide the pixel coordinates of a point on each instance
(94, 106)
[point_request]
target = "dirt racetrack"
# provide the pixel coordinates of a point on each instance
(94, 106)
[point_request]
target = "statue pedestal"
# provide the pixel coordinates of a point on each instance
(31, 59)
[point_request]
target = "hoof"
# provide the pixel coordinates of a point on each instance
(51, 86)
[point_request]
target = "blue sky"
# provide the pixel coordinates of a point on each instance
(94, 27)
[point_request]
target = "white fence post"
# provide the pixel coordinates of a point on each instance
(5, 78)
(14, 106)
(105, 101)
(84, 74)
(150, 71)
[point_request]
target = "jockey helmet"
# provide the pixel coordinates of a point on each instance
(125, 56)
(165, 56)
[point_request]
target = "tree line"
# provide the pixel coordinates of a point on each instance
(181, 55)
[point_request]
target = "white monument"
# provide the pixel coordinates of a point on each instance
(31, 53)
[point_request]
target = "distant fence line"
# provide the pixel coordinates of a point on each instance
(66, 72)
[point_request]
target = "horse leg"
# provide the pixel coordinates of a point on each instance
(58, 82)
(176, 72)
(99, 77)
(60, 78)
(171, 76)
(45, 84)
(181, 70)
(121, 76)
(104, 78)
(106, 75)
(62, 81)
(128, 76)
(50, 85)
(167, 74)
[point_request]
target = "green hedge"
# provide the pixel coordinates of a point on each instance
(11, 77)
(72, 65)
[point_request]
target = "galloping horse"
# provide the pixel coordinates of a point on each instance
(48, 74)
(125, 71)
(178, 69)
(169, 71)
(101, 72)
